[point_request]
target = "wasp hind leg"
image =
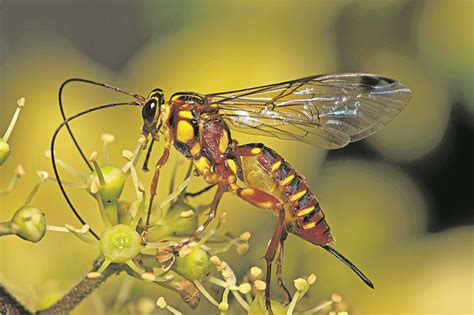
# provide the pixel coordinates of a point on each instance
(279, 272)
(212, 214)
(265, 200)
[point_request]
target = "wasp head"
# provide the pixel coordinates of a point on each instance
(151, 111)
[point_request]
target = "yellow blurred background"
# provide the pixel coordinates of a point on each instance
(400, 204)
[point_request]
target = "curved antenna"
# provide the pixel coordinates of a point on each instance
(53, 160)
(348, 263)
(61, 107)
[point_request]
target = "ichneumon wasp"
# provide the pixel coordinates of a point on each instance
(328, 111)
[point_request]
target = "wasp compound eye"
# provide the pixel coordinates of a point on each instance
(149, 110)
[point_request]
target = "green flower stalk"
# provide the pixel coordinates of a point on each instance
(4, 146)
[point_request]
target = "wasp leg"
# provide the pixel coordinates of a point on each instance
(279, 271)
(197, 193)
(154, 184)
(221, 188)
(265, 200)
(147, 157)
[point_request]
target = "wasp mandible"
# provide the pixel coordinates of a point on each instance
(328, 111)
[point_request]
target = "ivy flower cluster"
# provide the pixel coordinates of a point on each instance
(197, 272)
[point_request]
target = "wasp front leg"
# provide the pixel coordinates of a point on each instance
(154, 183)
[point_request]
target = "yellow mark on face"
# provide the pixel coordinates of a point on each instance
(287, 180)
(304, 211)
(232, 166)
(309, 225)
(195, 149)
(297, 195)
(185, 131)
(255, 151)
(186, 114)
(276, 166)
(223, 142)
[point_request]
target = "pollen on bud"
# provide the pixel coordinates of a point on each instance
(21, 102)
(161, 302)
(300, 284)
(186, 214)
(93, 157)
(94, 187)
(255, 272)
(20, 171)
(93, 275)
(242, 249)
(245, 236)
(227, 274)
(311, 278)
(107, 137)
(215, 260)
(128, 155)
(245, 288)
(142, 140)
(43, 175)
(148, 276)
(223, 306)
(223, 217)
(260, 285)
(336, 298)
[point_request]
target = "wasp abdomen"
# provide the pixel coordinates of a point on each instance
(305, 217)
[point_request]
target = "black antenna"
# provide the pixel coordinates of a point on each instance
(348, 263)
(53, 160)
(61, 107)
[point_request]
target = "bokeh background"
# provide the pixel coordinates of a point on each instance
(400, 203)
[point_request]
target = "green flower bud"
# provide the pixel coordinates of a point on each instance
(258, 306)
(120, 243)
(114, 182)
(4, 151)
(174, 224)
(29, 223)
(194, 266)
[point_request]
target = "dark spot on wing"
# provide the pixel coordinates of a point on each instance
(374, 82)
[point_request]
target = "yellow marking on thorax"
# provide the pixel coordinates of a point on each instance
(195, 149)
(304, 211)
(309, 225)
(287, 180)
(202, 164)
(232, 166)
(276, 165)
(255, 151)
(223, 142)
(187, 114)
(297, 196)
(184, 131)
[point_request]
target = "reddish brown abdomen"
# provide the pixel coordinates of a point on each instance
(307, 219)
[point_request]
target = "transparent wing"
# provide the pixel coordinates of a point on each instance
(326, 110)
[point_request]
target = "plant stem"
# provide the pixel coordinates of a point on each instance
(80, 291)
(9, 305)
